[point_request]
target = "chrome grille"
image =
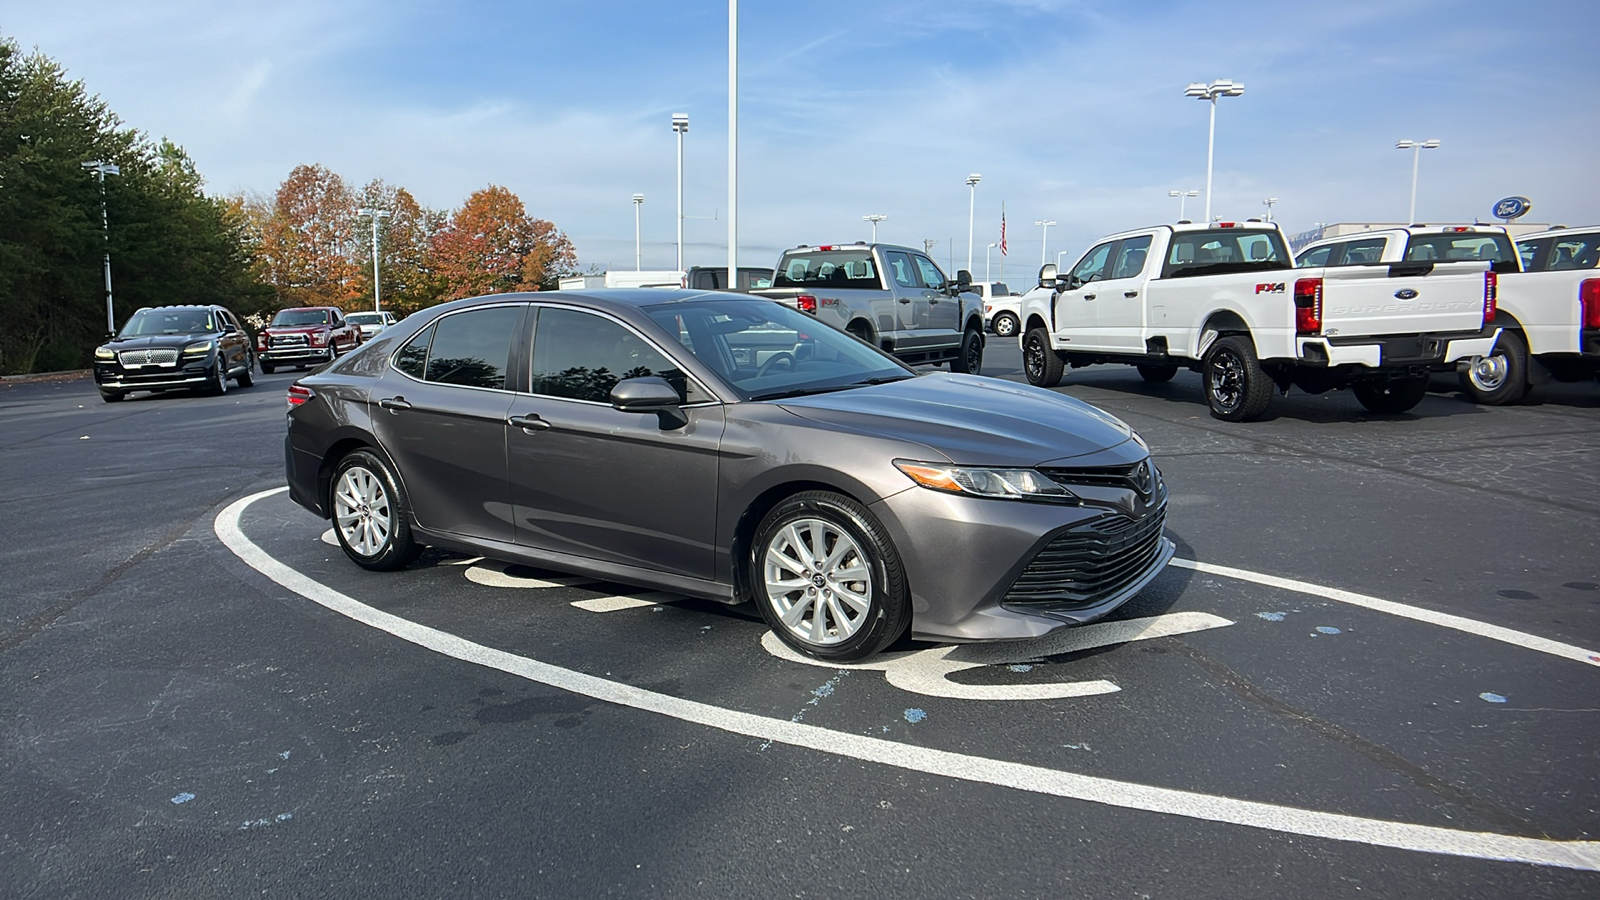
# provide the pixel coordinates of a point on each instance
(1089, 564)
(287, 340)
(148, 357)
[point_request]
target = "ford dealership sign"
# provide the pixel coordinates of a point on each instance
(1512, 208)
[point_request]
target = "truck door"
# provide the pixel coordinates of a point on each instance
(1119, 302)
(910, 303)
(1075, 308)
(943, 324)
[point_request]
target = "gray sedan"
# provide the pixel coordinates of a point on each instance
(729, 448)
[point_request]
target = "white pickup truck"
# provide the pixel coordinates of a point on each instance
(1225, 299)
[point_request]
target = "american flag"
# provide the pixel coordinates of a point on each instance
(1002, 229)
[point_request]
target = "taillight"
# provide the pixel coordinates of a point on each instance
(1589, 296)
(806, 302)
(1491, 295)
(299, 394)
(1308, 306)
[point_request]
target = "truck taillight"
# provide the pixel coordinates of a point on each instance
(1491, 296)
(1589, 297)
(1308, 306)
(299, 394)
(806, 302)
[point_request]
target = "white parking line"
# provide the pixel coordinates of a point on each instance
(1416, 613)
(612, 604)
(1034, 779)
(495, 575)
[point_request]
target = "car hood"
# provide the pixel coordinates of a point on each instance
(971, 420)
(154, 341)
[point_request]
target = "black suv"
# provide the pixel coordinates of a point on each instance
(162, 347)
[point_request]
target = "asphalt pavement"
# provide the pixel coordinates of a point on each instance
(1372, 673)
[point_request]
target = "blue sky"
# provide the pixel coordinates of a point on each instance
(1071, 111)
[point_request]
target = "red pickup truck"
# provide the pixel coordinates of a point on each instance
(305, 336)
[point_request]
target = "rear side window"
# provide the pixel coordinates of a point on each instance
(1578, 251)
(1317, 257)
(1130, 257)
(827, 268)
(473, 348)
(412, 359)
(1366, 250)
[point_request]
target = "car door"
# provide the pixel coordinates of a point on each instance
(1075, 310)
(1119, 306)
(440, 414)
(592, 481)
(911, 303)
(943, 323)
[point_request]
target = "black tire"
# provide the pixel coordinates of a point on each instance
(112, 396)
(1039, 362)
(1502, 376)
(371, 515)
(1237, 389)
(217, 378)
(267, 368)
(1005, 325)
(247, 377)
(1157, 374)
(1394, 396)
(862, 332)
(858, 633)
(970, 359)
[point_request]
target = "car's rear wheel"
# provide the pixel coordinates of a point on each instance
(970, 359)
(112, 396)
(1394, 396)
(827, 577)
(1039, 362)
(1237, 389)
(1006, 325)
(370, 514)
(1157, 374)
(1502, 376)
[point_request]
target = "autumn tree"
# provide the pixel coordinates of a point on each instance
(405, 244)
(309, 244)
(491, 245)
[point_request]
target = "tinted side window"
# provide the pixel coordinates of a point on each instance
(413, 357)
(1093, 265)
(581, 356)
(1317, 257)
(1530, 252)
(1131, 256)
(900, 268)
(1577, 251)
(473, 348)
(931, 276)
(1366, 250)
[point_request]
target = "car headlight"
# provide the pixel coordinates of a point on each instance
(197, 348)
(980, 481)
(104, 353)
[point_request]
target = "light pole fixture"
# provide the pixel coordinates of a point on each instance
(972, 205)
(1182, 197)
(680, 127)
(638, 257)
(377, 292)
(1044, 242)
(875, 218)
(986, 261)
(1416, 148)
(1059, 254)
(1222, 87)
(1269, 203)
(733, 142)
(101, 170)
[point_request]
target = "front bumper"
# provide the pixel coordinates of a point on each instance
(112, 376)
(964, 555)
(296, 355)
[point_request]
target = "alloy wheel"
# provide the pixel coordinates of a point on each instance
(362, 512)
(1489, 373)
(818, 581)
(1227, 379)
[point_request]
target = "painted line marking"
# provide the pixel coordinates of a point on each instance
(1443, 620)
(495, 575)
(1583, 855)
(613, 604)
(926, 671)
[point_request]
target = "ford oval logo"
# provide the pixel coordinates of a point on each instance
(1406, 294)
(1512, 208)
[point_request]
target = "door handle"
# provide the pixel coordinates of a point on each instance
(393, 403)
(905, 299)
(1130, 293)
(529, 423)
(1088, 296)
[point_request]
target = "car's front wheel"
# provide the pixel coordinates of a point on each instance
(1006, 325)
(827, 577)
(217, 382)
(370, 514)
(248, 377)
(1039, 362)
(112, 396)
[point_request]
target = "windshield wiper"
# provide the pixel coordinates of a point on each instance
(885, 379)
(802, 392)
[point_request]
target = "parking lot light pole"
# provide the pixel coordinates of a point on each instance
(1416, 148)
(680, 127)
(1269, 203)
(101, 170)
(1044, 242)
(972, 205)
(638, 258)
(377, 291)
(1182, 196)
(1222, 87)
(986, 261)
(875, 218)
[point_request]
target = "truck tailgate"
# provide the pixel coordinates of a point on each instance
(1390, 299)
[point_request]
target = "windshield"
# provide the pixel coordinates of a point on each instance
(169, 321)
(365, 318)
(764, 350)
(301, 317)
(1452, 246)
(827, 268)
(1214, 252)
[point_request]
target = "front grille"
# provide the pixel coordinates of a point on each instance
(287, 340)
(1106, 476)
(148, 357)
(1089, 564)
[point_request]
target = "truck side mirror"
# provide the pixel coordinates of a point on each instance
(963, 277)
(1047, 275)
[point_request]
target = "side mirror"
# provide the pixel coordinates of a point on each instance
(227, 328)
(963, 277)
(650, 394)
(1048, 275)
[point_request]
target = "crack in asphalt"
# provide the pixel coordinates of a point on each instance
(1244, 688)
